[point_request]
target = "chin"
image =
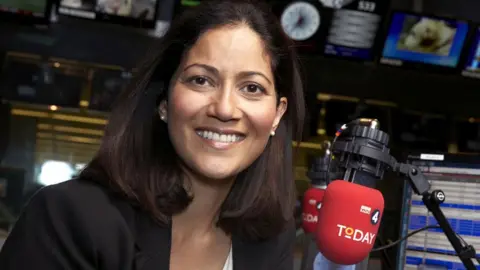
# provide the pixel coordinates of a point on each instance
(219, 174)
(216, 171)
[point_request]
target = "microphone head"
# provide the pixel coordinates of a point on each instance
(361, 147)
(312, 200)
(348, 222)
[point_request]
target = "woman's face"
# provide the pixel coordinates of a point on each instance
(222, 104)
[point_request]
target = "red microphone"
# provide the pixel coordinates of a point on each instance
(348, 222)
(312, 200)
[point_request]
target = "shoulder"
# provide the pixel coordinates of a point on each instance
(84, 196)
(286, 239)
(284, 247)
(70, 225)
(74, 189)
(79, 205)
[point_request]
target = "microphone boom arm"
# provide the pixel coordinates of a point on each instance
(362, 148)
(432, 201)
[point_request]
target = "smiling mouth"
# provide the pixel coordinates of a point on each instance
(226, 138)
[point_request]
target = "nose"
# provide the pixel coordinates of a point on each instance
(224, 106)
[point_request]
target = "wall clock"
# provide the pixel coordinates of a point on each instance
(300, 20)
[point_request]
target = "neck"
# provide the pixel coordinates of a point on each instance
(200, 217)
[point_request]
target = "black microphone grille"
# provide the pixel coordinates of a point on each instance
(361, 150)
(367, 132)
(320, 170)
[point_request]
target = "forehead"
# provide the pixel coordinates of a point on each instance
(231, 48)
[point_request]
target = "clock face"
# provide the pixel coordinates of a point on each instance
(300, 20)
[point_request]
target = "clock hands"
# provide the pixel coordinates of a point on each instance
(300, 20)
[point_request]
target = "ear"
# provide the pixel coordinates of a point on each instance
(281, 109)
(162, 110)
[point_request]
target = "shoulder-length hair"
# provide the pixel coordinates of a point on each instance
(136, 157)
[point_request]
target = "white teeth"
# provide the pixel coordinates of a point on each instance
(224, 138)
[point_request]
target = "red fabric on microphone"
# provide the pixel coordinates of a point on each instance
(311, 199)
(348, 222)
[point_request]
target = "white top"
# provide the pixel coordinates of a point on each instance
(229, 262)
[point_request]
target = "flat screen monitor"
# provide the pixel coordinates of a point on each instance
(137, 13)
(458, 176)
(353, 29)
(420, 40)
(472, 64)
(26, 11)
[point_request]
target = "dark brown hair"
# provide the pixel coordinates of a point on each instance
(136, 157)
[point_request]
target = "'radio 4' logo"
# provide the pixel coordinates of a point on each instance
(355, 234)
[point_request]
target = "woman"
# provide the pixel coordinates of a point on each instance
(194, 171)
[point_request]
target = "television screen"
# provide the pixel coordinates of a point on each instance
(472, 66)
(141, 13)
(35, 11)
(424, 40)
(354, 27)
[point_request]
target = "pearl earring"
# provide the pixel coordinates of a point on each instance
(162, 117)
(272, 133)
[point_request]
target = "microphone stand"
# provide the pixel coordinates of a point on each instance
(432, 201)
(360, 142)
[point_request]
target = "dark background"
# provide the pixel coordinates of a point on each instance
(88, 41)
(94, 42)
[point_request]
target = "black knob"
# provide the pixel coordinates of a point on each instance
(438, 196)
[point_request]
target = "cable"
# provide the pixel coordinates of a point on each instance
(327, 179)
(462, 240)
(477, 257)
(405, 237)
(331, 153)
(385, 256)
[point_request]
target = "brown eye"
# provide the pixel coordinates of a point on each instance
(200, 80)
(253, 89)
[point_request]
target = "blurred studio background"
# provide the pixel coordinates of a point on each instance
(412, 64)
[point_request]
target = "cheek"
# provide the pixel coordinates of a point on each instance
(183, 107)
(182, 104)
(262, 118)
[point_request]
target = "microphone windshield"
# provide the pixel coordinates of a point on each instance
(348, 222)
(311, 203)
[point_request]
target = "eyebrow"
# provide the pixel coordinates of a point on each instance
(215, 71)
